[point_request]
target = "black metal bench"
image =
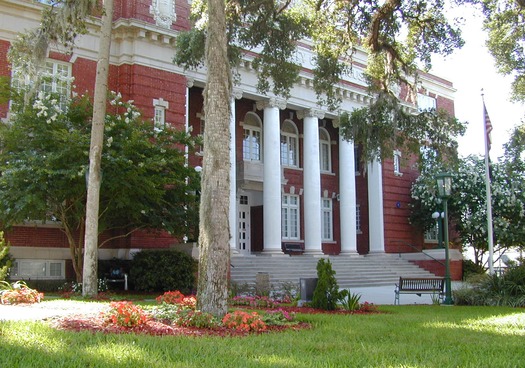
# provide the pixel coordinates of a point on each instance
(292, 248)
(418, 286)
(117, 276)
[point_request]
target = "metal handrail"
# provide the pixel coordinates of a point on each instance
(419, 250)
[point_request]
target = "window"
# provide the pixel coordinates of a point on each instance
(325, 159)
(290, 217)
(431, 235)
(38, 269)
(251, 143)
(358, 218)
(326, 219)
(159, 117)
(289, 144)
(425, 103)
(56, 78)
(397, 163)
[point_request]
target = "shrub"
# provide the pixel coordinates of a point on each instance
(5, 258)
(471, 268)
(126, 314)
(178, 299)
(367, 307)
(494, 290)
(326, 294)
(244, 321)
(171, 297)
(278, 317)
(195, 318)
(163, 270)
(18, 292)
(254, 301)
(45, 285)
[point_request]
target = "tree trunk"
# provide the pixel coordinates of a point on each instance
(89, 284)
(214, 253)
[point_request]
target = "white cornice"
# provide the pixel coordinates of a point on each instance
(142, 43)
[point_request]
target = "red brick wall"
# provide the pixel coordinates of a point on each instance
(456, 268)
(396, 199)
(140, 10)
(151, 239)
(32, 236)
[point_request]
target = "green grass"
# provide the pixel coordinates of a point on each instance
(404, 336)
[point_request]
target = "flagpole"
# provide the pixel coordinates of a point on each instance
(487, 126)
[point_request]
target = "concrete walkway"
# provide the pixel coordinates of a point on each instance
(384, 295)
(48, 309)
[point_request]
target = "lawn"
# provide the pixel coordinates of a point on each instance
(402, 336)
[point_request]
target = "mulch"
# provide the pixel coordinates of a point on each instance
(96, 323)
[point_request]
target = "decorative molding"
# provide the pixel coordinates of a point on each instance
(189, 82)
(237, 93)
(311, 113)
(163, 12)
(272, 102)
(161, 102)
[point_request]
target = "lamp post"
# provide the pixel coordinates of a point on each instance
(444, 187)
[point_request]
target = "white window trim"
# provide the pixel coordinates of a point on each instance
(397, 163)
(251, 129)
(327, 210)
(289, 136)
(25, 81)
(431, 236)
(328, 144)
(160, 106)
(358, 219)
(425, 103)
(298, 225)
(47, 269)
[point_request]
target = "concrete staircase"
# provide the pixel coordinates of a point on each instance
(351, 271)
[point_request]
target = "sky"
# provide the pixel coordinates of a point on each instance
(472, 69)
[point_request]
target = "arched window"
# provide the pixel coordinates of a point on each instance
(289, 144)
(325, 159)
(251, 142)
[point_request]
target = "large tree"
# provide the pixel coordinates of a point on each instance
(44, 151)
(400, 38)
(61, 22)
(214, 254)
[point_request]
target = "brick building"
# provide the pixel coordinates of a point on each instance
(295, 181)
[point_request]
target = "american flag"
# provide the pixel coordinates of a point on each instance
(488, 128)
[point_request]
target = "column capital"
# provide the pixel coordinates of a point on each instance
(271, 102)
(237, 93)
(189, 82)
(310, 113)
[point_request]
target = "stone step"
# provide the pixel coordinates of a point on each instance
(351, 271)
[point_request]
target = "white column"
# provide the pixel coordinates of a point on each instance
(347, 197)
(311, 181)
(232, 217)
(376, 223)
(272, 174)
